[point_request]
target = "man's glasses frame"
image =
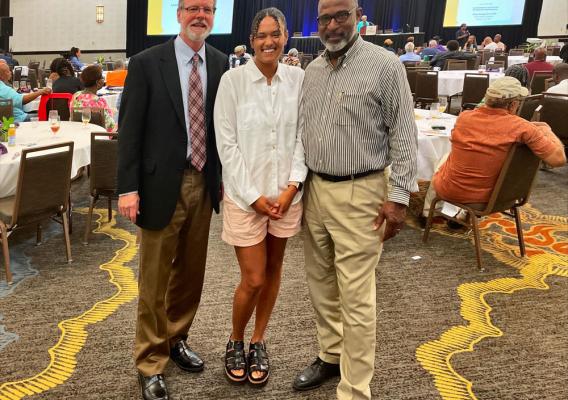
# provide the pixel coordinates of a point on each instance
(192, 10)
(340, 17)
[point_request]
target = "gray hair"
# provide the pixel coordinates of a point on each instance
(118, 64)
(293, 52)
(180, 3)
(271, 12)
(432, 43)
(409, 48)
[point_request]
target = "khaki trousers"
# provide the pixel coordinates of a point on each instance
(172, 267)
(342, 251)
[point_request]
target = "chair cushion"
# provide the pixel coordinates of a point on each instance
(7, 209)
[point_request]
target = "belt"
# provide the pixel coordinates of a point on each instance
(335, 178)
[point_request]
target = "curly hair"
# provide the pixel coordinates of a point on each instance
(91, 74)
(272, 12)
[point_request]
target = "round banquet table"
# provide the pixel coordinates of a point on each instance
(35, 134)
(433, 144)
(450, 83)
(512, 60)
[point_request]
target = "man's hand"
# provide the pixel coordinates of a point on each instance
(128, 206)
(393, 214)
(263, 206)
(284, 200)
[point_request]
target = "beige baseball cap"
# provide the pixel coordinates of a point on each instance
(506, 88)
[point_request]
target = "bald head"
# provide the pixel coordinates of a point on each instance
(540, 54)
(350, 3)
(5, 73)
(560, 72)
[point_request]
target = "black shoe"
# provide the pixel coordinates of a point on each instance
(453, 225)
(185, 358)
(315, 375)
(153, 387)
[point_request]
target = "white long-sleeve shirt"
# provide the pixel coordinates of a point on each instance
(258, 133)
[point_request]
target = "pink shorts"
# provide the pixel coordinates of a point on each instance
(243, 228)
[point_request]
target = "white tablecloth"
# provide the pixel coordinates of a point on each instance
(30, 134)
(451, 82)
(523, 60)
(432, 143)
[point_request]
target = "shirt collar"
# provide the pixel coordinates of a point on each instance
(256, 75)
(493, 110)
(350, 53)
(185, 52)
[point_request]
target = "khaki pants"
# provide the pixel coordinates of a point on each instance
(342, 251)
(431, 192)
(172, 266)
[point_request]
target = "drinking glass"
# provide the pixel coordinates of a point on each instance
(434, 107)
(34, 121)
(49, 83)
(443, 104)
(86, 115)
(54, 121)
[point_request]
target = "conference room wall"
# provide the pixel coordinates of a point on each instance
(57, 25)
(301, 15)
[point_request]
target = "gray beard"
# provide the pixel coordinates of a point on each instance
(334, 48)
(195, 37)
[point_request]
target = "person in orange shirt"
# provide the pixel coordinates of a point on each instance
(118, 76)
(481, 140)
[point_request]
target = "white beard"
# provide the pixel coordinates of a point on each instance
(195, 36)
(334, 48)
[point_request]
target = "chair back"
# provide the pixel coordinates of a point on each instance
(473, 63)
(495, 65)
(426, 91)
(516, 52)
(474, 88)
(528, 106)
(504, 58)
(455, 65)
(537, 81)
(108, 66)
(104, 156)
(17, 74)
(411, 76)
(410, 63)
(32, 78)
(306, 60)
(97, 116)
(513, 186)
(556, 51)
(486, 56)
(553, 112)
(43, 182)
(55, 101)
(6, 108)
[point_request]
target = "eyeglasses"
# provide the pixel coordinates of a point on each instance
(339, 17)
(195, 10)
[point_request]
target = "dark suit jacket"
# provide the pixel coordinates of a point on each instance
(153, 137)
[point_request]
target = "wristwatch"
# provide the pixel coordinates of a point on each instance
(297, 185)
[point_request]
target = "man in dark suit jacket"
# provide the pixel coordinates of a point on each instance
(168, 182)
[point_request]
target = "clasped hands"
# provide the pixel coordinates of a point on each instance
(275, 209)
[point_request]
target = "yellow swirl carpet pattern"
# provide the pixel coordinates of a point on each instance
(73, 331)
(547, 254)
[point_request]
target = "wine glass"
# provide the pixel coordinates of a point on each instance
(443, 104)
(54, 121)
(434, 107)
(86, 116)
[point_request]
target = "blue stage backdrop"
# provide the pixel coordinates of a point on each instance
(397, 15)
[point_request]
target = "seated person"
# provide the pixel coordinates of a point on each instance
(239, 57)
(388, 45)
(481, 140)
(409, 55)
(67, 82)
(452, 54)
(92, 79)
(118, 75)
(489, 44)
(519, 72)
(292, 58)
(53, 75)
(560, 77)
(471, 44)
(74, 55)
(539, 63)
(431, 50)
(18, 99)
(363, 23)
(499, 43)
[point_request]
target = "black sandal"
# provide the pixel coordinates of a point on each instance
(235, 360)
(258, 362)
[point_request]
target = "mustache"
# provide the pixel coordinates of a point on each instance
(200, 22)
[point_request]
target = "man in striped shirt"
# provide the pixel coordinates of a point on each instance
(358, 123)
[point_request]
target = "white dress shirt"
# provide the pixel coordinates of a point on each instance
(258, 133)
(561, 88)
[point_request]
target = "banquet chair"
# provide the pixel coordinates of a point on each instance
(32, 79)
(495, 66)
(474, 88)
(104, 156)
(473, 63)
(516, 52)
(486, 56)
(411, 76)
(426, 91)
(504, 58)
(552, 110)
(97, 116)
(306, 60)
(411, 63)
(528, 106)
(54, 101)
(6, 108)
(537, 81)
(455, 65)
(42, 192)
(556, 50)
(511, 191)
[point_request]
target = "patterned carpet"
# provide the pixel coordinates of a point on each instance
(445, 330)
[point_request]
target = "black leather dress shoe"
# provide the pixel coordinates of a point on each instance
(153, 387)
(185, 358)
(315, 375)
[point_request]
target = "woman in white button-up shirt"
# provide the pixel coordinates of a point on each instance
(257, 125)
